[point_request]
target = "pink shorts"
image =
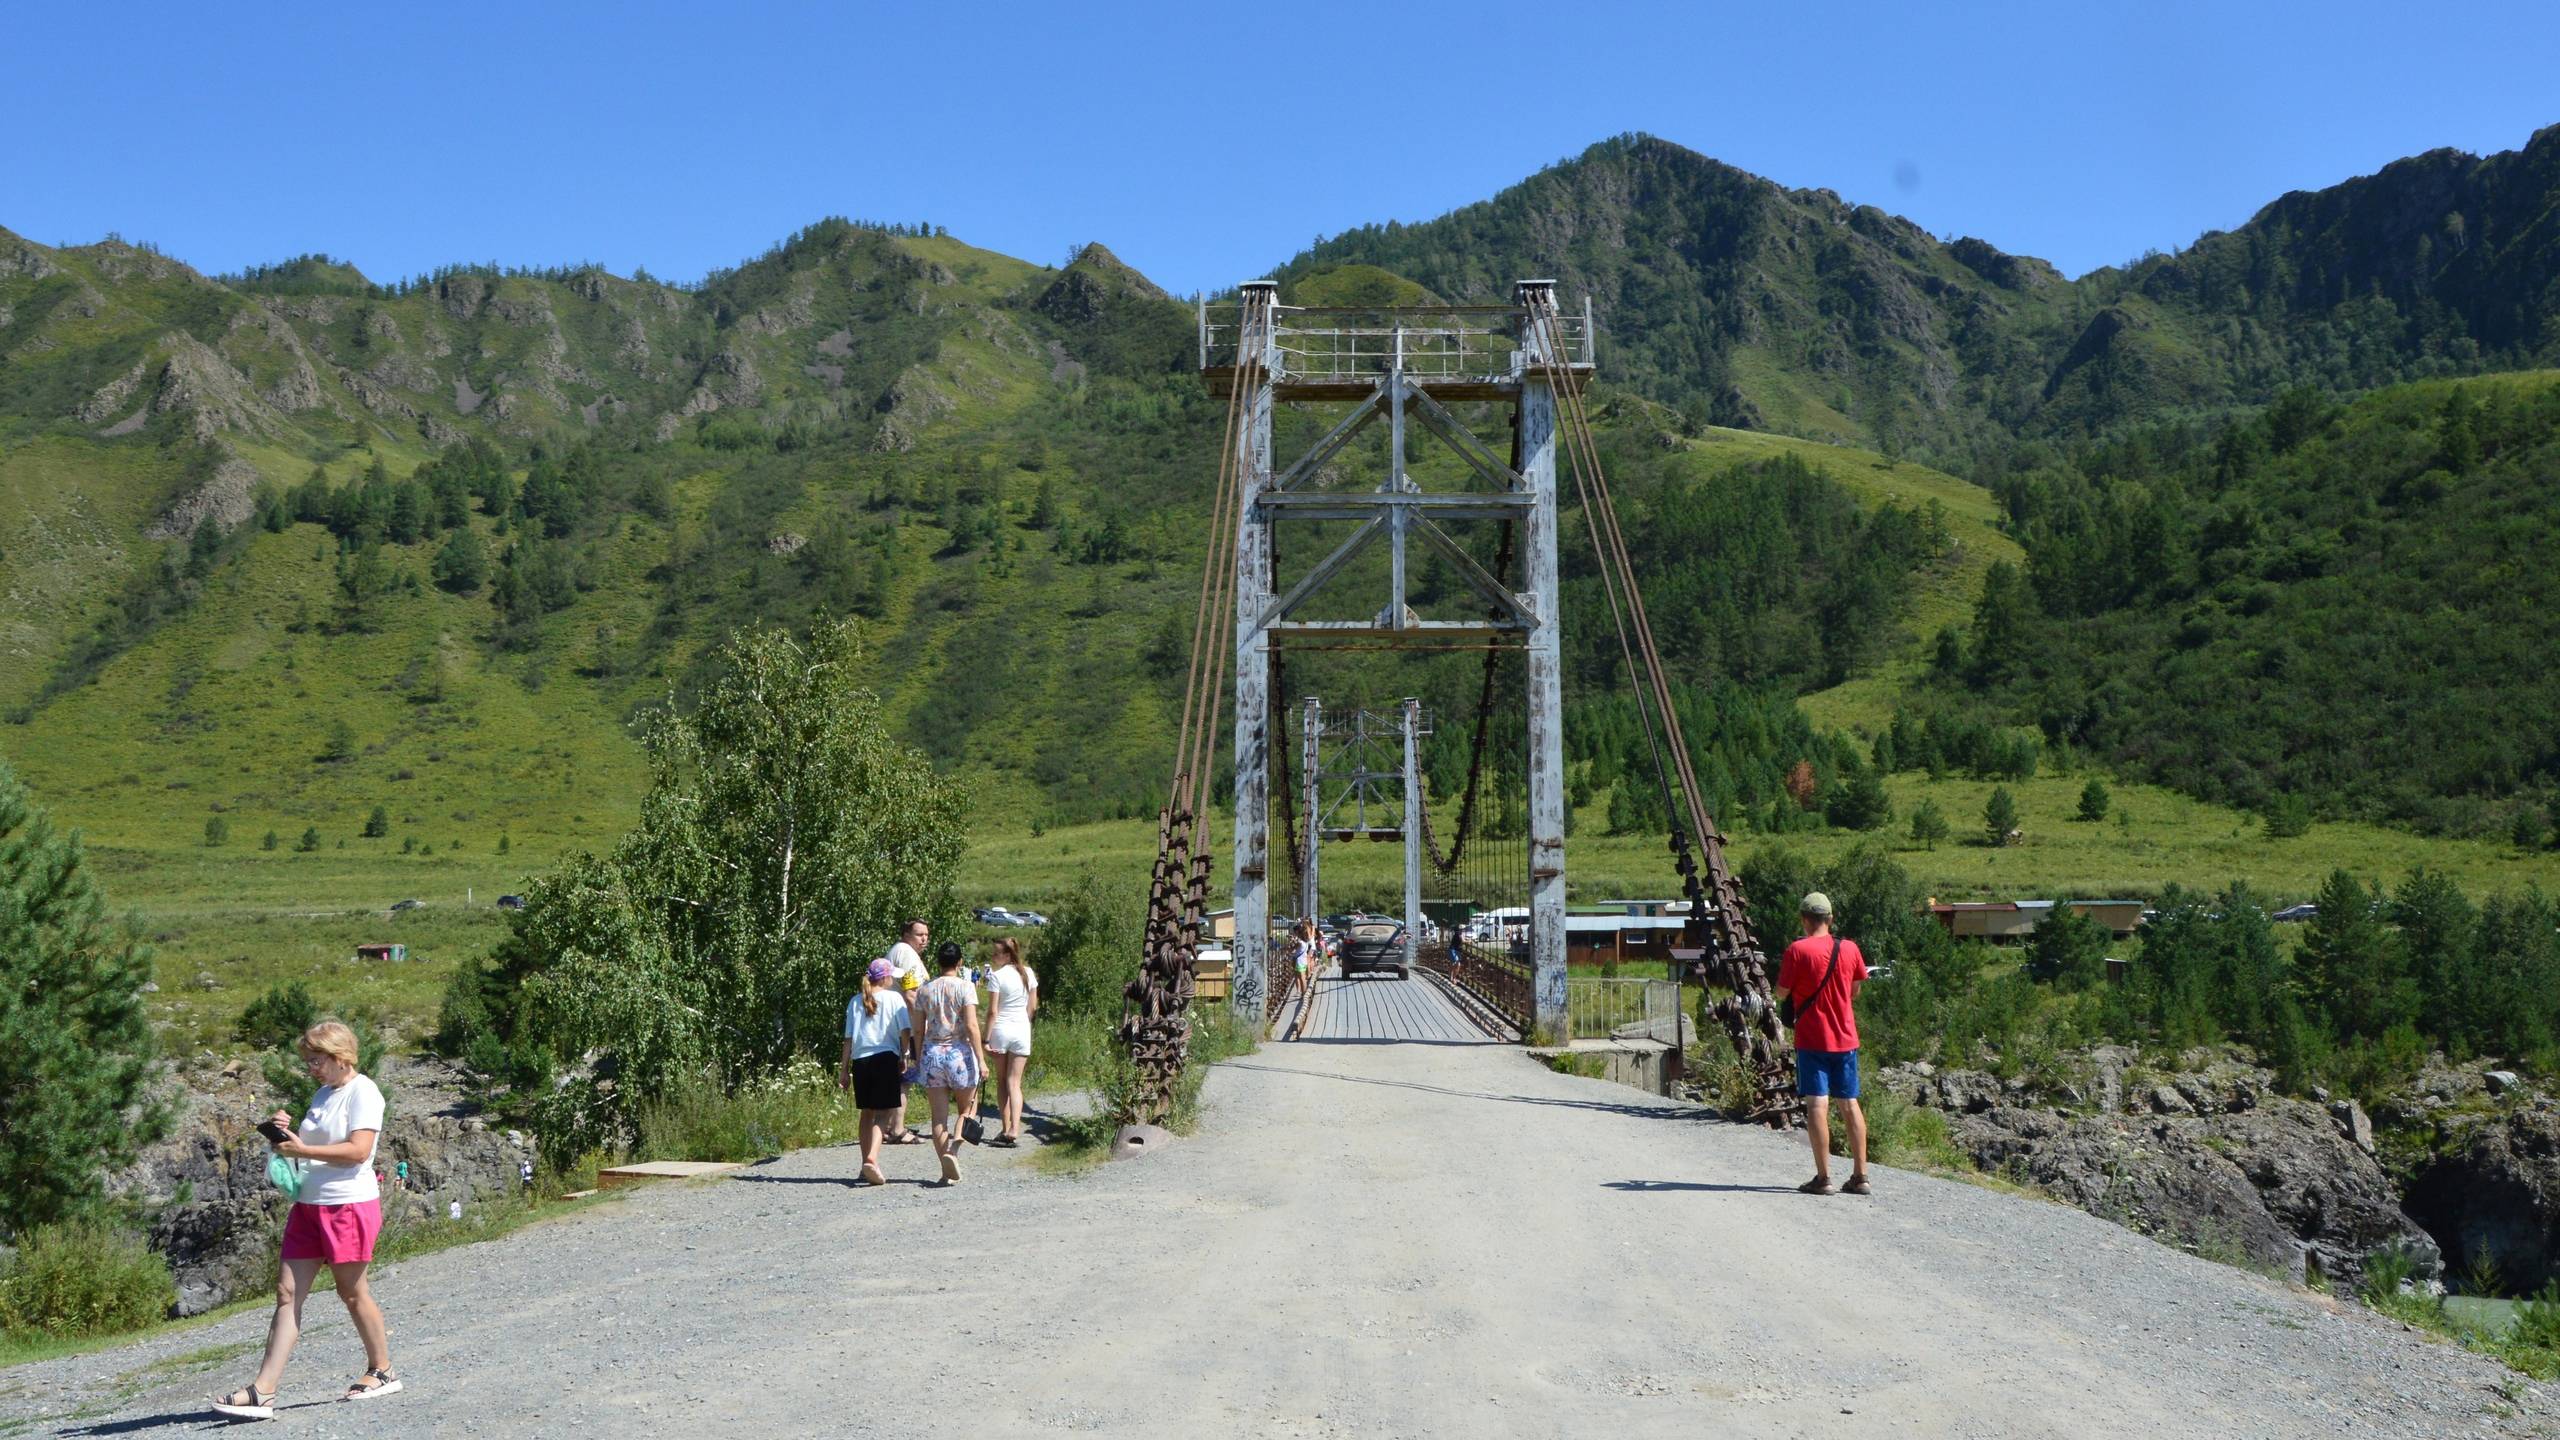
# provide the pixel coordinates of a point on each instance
(332, 1234)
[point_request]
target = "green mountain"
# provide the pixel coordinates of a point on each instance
(2338, 604)
(283, 546)
(1749, 304)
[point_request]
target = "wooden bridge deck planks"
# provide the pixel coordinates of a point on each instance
(1381, 1007)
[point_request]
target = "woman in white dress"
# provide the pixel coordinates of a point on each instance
(1013, 994)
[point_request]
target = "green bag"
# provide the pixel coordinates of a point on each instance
(285, 1173)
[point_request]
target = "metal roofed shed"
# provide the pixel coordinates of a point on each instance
(2002, 920)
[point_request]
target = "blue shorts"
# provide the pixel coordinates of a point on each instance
(1827, 1072)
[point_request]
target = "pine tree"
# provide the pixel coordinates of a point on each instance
(1929, 824)
(377, 824)
(2349, 968)
(269, 841)
(310, 840)
(2093, 800)
(2000, 816)
(2527, 831)
(2288, 816)
(75, 1045)
(217, 832)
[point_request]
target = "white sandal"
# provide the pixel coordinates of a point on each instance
(253, 1408)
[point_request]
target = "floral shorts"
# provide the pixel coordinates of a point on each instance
(951, 1065)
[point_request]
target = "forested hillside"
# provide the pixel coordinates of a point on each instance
(1746, 303)
(2346, 608)
(451, 534)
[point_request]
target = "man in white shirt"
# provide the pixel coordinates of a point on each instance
(907, 959)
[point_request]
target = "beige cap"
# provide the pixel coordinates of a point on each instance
(1816, 904)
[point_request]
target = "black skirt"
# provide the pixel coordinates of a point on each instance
(879, 1081)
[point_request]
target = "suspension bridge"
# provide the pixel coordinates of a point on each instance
(1314, 554)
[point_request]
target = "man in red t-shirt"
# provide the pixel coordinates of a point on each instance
(1821, 975)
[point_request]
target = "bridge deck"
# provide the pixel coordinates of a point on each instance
(1378, 1008)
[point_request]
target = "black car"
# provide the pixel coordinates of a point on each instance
(398, 906)
(510, 902)
(1374, 945)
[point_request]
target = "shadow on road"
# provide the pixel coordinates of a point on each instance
(177, 1419)
(1648, 1186)
(1640, 1111)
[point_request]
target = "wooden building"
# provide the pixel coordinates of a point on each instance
(2015, 920)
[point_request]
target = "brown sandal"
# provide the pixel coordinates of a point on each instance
(1857, 1185)
(1818, 1185)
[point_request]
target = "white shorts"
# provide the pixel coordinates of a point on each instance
(1003, 1039)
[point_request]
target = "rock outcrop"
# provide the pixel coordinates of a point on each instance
(217, 1219)
(2489, 1186)
(2211, 1159)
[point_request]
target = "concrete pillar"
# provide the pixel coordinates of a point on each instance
(1548, 1025)
(1311, 772)
(1412, 832)
(1253, 658)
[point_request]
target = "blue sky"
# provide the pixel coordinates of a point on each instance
(1202, 143)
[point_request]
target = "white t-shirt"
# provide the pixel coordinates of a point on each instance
(1011, 996)
(904, 959)
(337, 1112)
(876, 1034)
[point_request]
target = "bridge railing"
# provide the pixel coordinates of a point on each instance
(1614, 1008)
(1453, 342)
(1492, 979)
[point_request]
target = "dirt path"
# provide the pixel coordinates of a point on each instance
(1365, 1239)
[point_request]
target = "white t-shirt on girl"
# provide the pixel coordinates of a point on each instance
(338, 1112)
(876, 1034)
(1011, 995)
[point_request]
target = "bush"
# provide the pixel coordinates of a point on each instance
(794, 1107)
(82, 1277)
(278, 1017)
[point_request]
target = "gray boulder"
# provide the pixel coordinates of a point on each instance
(2492, 1187)
(2275, 1186)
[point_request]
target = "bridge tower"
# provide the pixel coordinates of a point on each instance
(1404, 366)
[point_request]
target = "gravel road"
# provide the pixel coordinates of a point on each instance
(1363, 1239)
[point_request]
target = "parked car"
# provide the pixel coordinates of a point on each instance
(994, 915)
(2295, 913)
(399, 905)
(1029, 917)
(510, 902)
(1374, 945)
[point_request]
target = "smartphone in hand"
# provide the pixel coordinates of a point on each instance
(274, 1130)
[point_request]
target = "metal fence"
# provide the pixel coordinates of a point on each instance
(1622, 1009)
(1437, 343)
(1493, 980)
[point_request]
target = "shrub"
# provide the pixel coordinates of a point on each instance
(796, 1106)
(82, 1277)
(278, 1017)
(217, 832)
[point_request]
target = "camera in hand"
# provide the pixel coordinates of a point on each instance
(274, 1130)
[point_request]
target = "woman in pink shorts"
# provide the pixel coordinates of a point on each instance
(336, 1215)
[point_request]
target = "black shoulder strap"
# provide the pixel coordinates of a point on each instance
(1828, 971)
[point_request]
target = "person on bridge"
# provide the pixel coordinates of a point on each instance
(954, 1061)
(1820, 977)
(879, 1041)
(1013, 995)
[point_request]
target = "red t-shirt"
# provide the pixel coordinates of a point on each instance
(1828, 1023)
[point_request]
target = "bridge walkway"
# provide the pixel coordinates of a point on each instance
(1377, 1009)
